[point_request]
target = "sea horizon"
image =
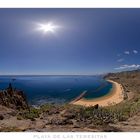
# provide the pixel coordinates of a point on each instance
(57, 89)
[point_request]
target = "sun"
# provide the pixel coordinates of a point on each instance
(48, 27)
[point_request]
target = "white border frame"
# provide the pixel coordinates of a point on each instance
(70, 136)
(69, 3)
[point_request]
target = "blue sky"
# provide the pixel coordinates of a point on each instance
(87, 41)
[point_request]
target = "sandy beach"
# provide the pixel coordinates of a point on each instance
(114, 97)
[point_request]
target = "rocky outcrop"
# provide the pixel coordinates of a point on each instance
(13, 98)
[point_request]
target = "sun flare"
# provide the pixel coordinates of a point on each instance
(48, 27)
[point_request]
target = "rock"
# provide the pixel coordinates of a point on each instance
(7, 112)
(68, 114)
(58, 121)
(96, 106)
(14, 99)
(1, 117)
(10, 87)
(75, 124)
(53, 111)
(39, 124)
(109, 128)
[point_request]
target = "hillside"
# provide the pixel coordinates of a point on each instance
(130, 80)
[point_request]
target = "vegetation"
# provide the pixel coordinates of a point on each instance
(31, 114)
(84, 115)
(125, 110)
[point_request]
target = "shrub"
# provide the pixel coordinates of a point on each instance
(31, 114)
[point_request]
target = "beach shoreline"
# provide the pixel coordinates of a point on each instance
(115, 96)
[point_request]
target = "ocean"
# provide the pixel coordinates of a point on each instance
(57, 89)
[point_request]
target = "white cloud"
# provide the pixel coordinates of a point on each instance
(133, 66)
(135, 51)
(120, 60)
(127, 52)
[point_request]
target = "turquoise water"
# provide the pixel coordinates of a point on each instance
(57, 89)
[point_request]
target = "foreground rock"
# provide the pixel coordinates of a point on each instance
(13, 98)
